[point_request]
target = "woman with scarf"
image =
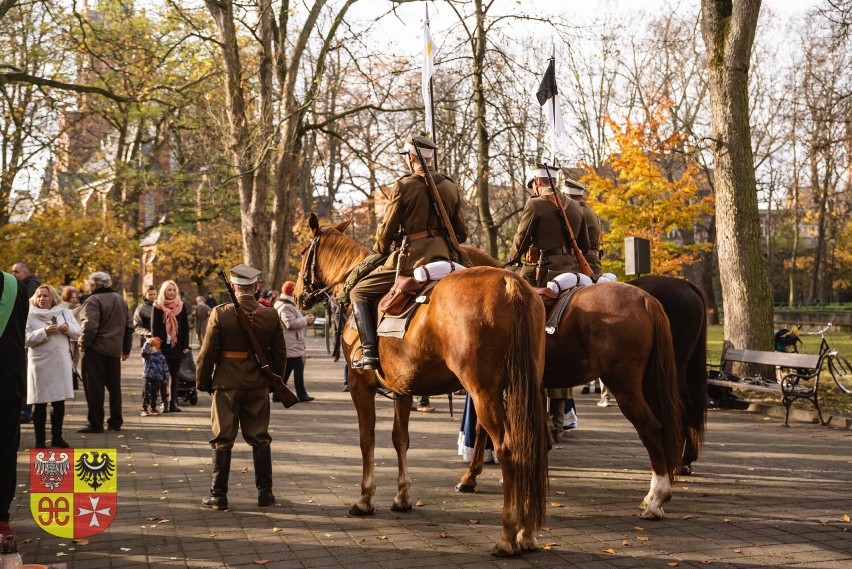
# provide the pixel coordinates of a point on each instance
(170, 323)
(50, 329)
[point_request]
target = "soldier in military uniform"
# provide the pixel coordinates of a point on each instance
(409, 213)
(540, 238)
(542, 242)
(240, 391)
(577, 192)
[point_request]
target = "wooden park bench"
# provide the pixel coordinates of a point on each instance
(796, 375)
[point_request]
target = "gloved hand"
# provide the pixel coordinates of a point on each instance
(208, 389)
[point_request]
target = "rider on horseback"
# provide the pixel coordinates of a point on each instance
(542, 242)
(410, 212)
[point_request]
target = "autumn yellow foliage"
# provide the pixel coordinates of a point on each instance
(63, 246)
(642, 200)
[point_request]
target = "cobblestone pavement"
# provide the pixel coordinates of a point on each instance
(762, 496)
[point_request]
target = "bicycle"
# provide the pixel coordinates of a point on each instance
(838, 366)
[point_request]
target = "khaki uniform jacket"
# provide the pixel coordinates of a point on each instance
(411, 207)
(225, 334)
(593, 227)
(541, 226)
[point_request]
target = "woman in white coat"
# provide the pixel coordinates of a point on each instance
(50, 329)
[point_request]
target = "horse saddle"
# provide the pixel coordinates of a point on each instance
(401, 296)
(557, 308)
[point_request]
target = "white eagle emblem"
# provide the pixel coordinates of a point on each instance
(96, 472)
(51, 471)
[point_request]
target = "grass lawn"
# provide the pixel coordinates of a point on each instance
(832, 400)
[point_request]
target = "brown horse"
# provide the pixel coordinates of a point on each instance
(482, 329)
(685, 306)
(621, 334)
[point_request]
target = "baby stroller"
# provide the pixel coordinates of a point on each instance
(186, 380)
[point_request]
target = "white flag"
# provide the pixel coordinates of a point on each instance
(428, 71)
(548, 98)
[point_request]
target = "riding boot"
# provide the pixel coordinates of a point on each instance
(363, 312)
(263, 474)
(218, 498)
(39, 423)
(57, 417)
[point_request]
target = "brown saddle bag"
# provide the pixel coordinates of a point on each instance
(401, 294)
(546, 295)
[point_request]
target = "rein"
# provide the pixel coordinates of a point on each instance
(311, 294)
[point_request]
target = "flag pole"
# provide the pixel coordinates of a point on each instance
(553, 103)
(432, 98)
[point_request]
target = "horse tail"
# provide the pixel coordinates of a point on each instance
(695, 411)
(525, 404)
(660, 387)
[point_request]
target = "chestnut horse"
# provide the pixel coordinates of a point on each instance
(482, 329)
(621, 334)
(685, 306)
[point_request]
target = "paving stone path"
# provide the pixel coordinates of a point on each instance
(762, 495)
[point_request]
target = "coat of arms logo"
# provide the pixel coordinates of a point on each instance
(73, 492)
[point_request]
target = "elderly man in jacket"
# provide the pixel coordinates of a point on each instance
(106, 342)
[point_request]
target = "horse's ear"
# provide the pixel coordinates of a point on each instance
(313, 223)
(341, 227)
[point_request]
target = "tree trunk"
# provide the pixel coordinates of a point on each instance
(252, 209)
(728, 28)
(483, 141)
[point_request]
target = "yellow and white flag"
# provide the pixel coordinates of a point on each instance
(428, 71)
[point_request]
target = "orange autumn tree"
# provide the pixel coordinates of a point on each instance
(641, 200)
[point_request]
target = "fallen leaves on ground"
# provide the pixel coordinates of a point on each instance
(550, 546)
(672, 563)
(261, 561)
(474, 521)
(277, 530)
(642, 538)
(419, 503)
(555, 505)
(83, 541)
(638, 528)
(608, 550)
(443, 535)
(845, 517)
(687, 517)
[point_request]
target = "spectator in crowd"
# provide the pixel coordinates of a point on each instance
(72, 300)
(50, 329)
(202, 315)
(266, 298)
(294, 324)
(24, 274)
(155, 375)
(170, 323)
(211, 300)
(106, 341)
(142, 315)
(13, 385)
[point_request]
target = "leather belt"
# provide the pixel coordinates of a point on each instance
(422, 234)
(235, 355)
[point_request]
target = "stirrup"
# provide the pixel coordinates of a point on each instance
(366, 362)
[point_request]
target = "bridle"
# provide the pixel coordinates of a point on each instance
(312, 289)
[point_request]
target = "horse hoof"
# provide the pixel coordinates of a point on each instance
(396, 508)
(652, 514)
(686, 470)
(356, 511)
(465, 488)
(497, 552)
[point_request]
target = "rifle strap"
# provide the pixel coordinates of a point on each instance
(248, 329)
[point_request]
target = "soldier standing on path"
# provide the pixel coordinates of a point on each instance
(227, 369)
(410, 213)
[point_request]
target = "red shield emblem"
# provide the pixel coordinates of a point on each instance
(73, 491)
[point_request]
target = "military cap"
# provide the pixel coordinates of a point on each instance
(540, 170)
(574, 187)
(427, 147)
(244, 275)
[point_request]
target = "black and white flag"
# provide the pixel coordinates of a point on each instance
(548, 98)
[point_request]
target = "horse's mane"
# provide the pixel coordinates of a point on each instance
(480, 258)
(338, 255)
